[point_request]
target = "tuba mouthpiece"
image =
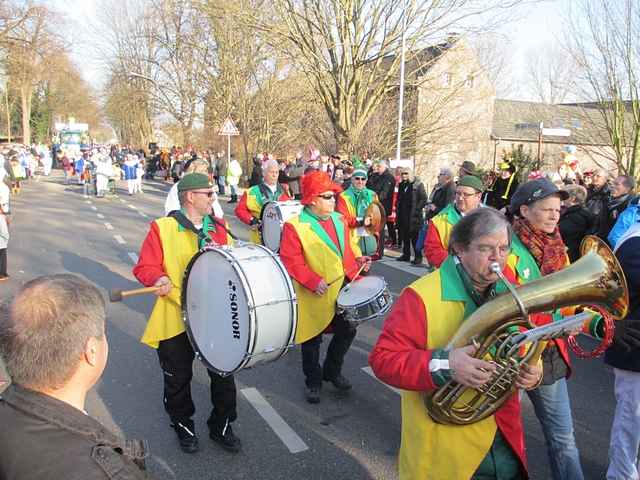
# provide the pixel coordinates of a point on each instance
(495, 267)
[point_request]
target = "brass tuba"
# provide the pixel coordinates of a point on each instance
(595, 279)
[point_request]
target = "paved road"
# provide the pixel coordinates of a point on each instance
(56, 230)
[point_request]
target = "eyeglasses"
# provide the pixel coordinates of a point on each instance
(362, 179)
(328, 196)
(465, 195)
(208, 194)
(405, 173)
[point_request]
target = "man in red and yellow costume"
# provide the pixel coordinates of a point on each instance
(353, 204)
(467, 198)
(412, 354)
(318, 253)
(249, 210)
(169, 246)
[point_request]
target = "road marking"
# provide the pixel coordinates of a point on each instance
(290, 438)
(369, 372)
(100, 215)
(133, 257)
(119, 239)
(108, 225)
(88, 202)
(144, 215)
(94, 207)
(123, 200)
(132, 206)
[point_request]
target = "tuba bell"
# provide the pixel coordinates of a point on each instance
(595, 279)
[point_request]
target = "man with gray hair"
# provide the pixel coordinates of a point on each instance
(53, 342)
(443, 193)
(249, 210)
(412, 354)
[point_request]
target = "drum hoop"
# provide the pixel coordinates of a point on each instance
(375, 295)
(185, 314)
(264, 207)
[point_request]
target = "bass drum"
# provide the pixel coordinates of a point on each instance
(239, 307)
(273, 216)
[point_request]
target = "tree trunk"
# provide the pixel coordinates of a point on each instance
(25, 99)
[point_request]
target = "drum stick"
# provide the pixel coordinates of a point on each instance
(119, 295)
(355, 276)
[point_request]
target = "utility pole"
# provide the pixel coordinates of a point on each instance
(401, 97)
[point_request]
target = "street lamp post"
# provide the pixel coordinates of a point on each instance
(401, 96)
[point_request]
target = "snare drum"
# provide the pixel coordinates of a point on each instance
(273, 216)
(239, 307)
(364, 299)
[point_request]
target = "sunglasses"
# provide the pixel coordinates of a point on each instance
(208, 194)
(328, 196)
(362, 179)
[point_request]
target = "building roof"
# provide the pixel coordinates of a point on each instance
(519, 121)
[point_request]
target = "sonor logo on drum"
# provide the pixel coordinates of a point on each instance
(233, 299)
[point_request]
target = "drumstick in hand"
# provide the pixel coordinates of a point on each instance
(119, 295)
(355, 276)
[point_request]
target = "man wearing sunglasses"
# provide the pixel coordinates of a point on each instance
(249, 209)
(467, 198)
(353, 204)
(169, 246)
(318, 253)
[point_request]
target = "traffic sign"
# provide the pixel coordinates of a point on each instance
(228, 128)
(556, 132)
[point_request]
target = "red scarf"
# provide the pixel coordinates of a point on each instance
(548, 249)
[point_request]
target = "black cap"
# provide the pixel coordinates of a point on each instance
(532, 191)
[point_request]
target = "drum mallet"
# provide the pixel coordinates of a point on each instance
(354, 277)
(119, 295)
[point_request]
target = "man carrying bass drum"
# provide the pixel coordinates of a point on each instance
(320, 255)
(169, 246)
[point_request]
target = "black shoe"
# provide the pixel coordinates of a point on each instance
(340, 382)
(402, 258)
(186, 436)
(417, 261)
(226, 438)
(312, 394)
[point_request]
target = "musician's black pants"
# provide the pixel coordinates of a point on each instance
(343, 335)
(176, 360)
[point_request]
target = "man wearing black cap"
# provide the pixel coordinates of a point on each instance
(467, 198)
(169, 246)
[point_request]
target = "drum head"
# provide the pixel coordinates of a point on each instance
(215, 310)
(360, 291)
(271, 226)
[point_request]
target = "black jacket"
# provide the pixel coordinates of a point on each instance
(614, 208)
(575, 222)
(44, 438)
(442, 196)
(597, 203)
(256, 174)
(412, 199)
(629, 259)
(383, 184)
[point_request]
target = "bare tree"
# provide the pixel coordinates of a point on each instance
(349, 50)
(604, 40)
(550, 74)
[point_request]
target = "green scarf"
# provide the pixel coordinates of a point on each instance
(361, 199)
(207, 226)
(307, 216)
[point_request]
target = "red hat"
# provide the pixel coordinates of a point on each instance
(314, 183)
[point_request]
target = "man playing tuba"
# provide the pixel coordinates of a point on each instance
(411, 354)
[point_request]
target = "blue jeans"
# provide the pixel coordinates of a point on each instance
(221, 184)
(553, 409)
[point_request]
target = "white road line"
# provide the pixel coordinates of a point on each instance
(119, 239)
(132, 206)
(290, 438)
(144, 215)
(108, 225)
(133, 257)
(368, 371)
(100, 215)
(94, 208)
(123, 200)
(88, 202)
